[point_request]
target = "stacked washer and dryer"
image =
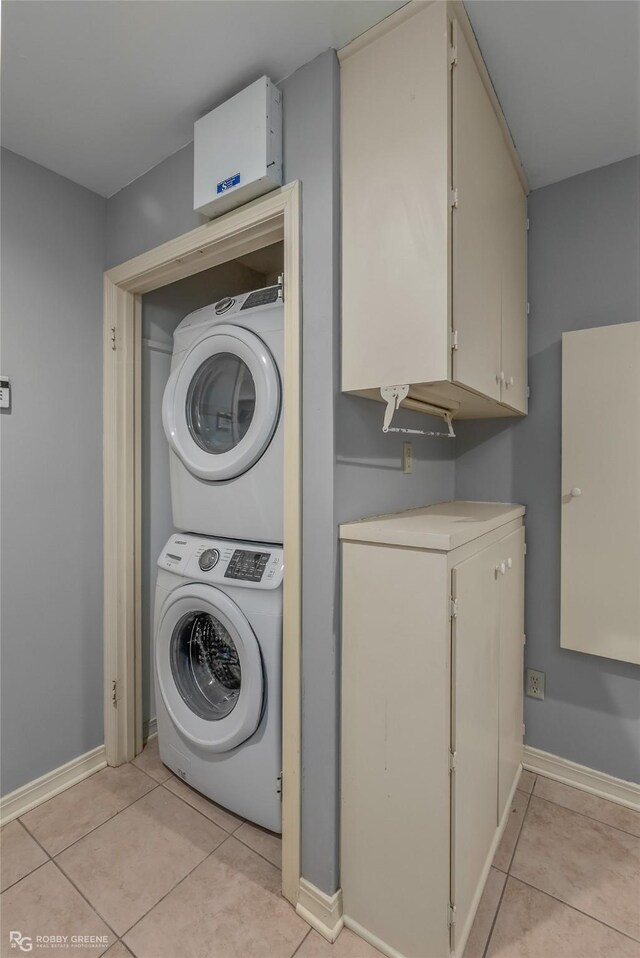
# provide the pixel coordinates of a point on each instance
(218, 608)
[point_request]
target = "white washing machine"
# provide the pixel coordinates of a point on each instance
(218, 671)
(221, 412)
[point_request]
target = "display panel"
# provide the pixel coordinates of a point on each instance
(248, 566)
(261, 297)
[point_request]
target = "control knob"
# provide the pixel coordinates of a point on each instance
(224, 304)
(208, 559)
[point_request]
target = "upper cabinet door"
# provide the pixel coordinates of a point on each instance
(514, 290)
(478, 177)
(600, 598)
(395, 212)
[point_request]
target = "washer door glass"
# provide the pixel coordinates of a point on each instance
(209, 667)
(205, 665)
(221, 401)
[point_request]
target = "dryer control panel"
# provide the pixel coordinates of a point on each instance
(243, 564)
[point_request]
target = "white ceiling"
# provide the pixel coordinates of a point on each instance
(101, 91)
(567, 73)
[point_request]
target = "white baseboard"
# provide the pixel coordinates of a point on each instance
(322, 912)
(149, 730)
(373, 940)
(42, 789)
(581, 776)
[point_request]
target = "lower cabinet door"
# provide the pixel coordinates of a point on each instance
(475, 681)
(511, 600)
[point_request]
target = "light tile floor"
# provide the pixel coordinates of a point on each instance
(565, 881)
(136, 858)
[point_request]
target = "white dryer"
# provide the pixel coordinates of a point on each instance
(222, 417)
(218, 671)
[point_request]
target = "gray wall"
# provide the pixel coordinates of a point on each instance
(350, 468)
(584, 270)
(51, 446)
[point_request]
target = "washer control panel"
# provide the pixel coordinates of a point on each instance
(247, 565)
(262, 297)
(239, 564)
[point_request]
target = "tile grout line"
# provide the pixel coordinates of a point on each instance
(32, 872)
(517, 841)
(91, 906)
(499, 905)
(599, 821)
(495, 917)
(234, 833)
(158, 785)
(194, 809)
(252, 849)
(95, 827)
(298, 947)
(40, 845)
(212, 852)
(586, 914)
(172, 889)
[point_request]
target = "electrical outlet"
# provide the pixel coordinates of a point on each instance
(535, 684)
(407, 457)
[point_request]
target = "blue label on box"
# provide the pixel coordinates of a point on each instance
(225, 185)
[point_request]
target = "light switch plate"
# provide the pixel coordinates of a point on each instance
(5, 392)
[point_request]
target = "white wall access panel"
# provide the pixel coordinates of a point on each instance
(601, 491)
(238, 149)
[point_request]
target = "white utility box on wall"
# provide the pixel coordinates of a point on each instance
(238, 150)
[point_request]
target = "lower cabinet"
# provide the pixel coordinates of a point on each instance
(432, 640)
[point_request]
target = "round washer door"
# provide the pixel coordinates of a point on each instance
(209, 668)
(221, 404)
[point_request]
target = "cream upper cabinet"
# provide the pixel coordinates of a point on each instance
(433, 220)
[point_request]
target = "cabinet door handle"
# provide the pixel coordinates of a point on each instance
(509, 563)
(501, 568)
(575, 492)
(508, 382)
(500, 377)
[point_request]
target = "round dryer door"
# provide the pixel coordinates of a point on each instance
(222, 403)
(209, 668)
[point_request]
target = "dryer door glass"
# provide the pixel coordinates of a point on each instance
(221, 401)
(205, 665)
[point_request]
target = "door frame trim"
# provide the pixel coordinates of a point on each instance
(267, 220)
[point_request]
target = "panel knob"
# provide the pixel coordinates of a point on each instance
(208, 559)
(224, 304)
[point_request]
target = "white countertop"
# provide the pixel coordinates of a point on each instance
(443, 526)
